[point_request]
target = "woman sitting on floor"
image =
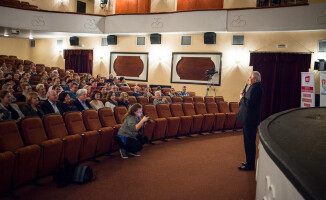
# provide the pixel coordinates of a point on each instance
(129, 139)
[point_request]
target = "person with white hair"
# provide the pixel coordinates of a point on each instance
(81, 102)
(249, 116)
(51, 105)
(158, 99)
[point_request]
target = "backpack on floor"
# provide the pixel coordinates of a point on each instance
(83, 174)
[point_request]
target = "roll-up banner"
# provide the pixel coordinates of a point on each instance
(307, 89)
(322, 89)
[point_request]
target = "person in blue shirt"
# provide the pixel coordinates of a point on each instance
(184, 92)
(73, 91)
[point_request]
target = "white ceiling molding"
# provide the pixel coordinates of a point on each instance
(310, 17)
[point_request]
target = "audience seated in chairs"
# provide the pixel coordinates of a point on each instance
(96, 103)
(57, 89)
(123, 100)
(137, 92)
(115, 90)
(101, 82)
(129, 139)
(122, 82)
(147, 92)
(51, 105)
(81, 102)
(110, 79)
(31, 108)
(73, 91)
(110, 101)
(55, 81)
(172, 93)
(64, 101)
(40, 88)
(184, 92)
(158, 99)
(10, 111)
(82, 84)
(104, 92)
(26, 89)
(116, 82)
(94, 86)
(68, 83)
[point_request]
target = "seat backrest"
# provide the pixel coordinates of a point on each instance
(218, 99)
(223, 107)
(21, 104)
(211, 107)
(192, 94)
(125, 89)
(150, 111)
(200, 108)
(234, 107)
(119, 112)
(33, 131)
(166, 90)
(132, 100)
(209, 99)
(188, 100)
(55, 126)
(163, 110)
(198, 99)
(176, 110)
(142, 85)
(74, 122)
(10, 139)
(131, 84)
(177, 99)
(107, 117)
(91, 120)
(151, 99)
(188, 109)
(143, 100)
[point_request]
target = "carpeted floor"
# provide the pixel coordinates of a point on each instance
(200, 168)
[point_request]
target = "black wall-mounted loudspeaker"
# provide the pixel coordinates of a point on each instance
(155, 38)
(74, 41)
(32, 43)
(210, 38)
(112, 40)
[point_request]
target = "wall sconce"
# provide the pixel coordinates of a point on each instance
(103, 3)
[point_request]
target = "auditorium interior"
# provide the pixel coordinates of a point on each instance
(196, 143)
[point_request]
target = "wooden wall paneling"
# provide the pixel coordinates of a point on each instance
(183, 5)
(194, 68)
(209, 4)
(132, 6)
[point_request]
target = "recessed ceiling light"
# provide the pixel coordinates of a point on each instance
(6, 35)
(31, 37)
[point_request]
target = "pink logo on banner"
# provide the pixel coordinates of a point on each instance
(323, 82)
(306, 105)
(307, 95)
(307, 79)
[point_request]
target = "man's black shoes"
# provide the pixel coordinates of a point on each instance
(246, 168)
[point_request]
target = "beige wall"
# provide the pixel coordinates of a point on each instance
(239, 3)
(163, 6)
(235, 59)
(15, 47)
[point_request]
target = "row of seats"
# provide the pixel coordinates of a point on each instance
(39, 146)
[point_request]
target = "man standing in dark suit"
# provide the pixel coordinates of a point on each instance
(81, 102)
(51, 105)
(249, 116)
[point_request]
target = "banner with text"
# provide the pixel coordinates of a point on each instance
(322, 89)
(307, 89)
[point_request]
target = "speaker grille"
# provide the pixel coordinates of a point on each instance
(210, 38)
(238, 40)
(140, 40)
(185, 40)
(322, 46)
(112, 39)
(104, 42)
(155, 38)
(74, 41)
(32, 43)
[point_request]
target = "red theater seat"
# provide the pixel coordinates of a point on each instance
(188, 100)
(177, 99)
(33, 133)
(7, 160)
(234, 107)
(209, 99)
(189, 110)
(56, 128)
(185, 121)
(198, 99)
(26, 157)
(209, 118)
(106, 134)
(132, 100)
(143, 100)
(218, 99)
(219, 117)
(124, 89)
(160, 123)
(75, 125)
(163, 111)
(223, 107)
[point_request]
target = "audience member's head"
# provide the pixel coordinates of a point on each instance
(111, 96)
(10, 82)
(184, 89)
(172, 91)
(32, 98)
(94, 84)
(64, 97)
(136, 88)
(123, 96)
(23, 81)
(74, 88)
(20, 68)
(69, 83)
(26, 88)
(111, 76)
(57, 89)
(52, 96)
(7, 87)
(8, 76)
(16, 76)
(157, 94)
(56, 81)
(9, 68)
(40, 88)
(5, 97)
(82, 94)
(101, 80)
(122, 79)
(95, 95)
(115, 80)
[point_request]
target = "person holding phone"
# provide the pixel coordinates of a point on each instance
(129, 139)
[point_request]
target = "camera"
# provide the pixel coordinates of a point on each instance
(148, 121)
(211, 72)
